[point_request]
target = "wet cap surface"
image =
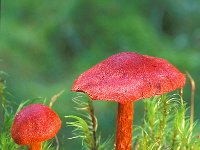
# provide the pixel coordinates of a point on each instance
(129, 76)
(35, 123)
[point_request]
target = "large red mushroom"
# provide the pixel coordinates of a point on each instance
(34, 124)
(125, 78)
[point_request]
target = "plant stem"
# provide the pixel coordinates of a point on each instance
(181, 95)
(192, 83)
(57, 142)
(163, 121)
(36, 146)
(124, 126)
(174, 138)
(94, 125)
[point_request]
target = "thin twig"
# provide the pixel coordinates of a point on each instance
(55, 97)
(57, 142)
(181, 95)
(192, 83)
(94, 125)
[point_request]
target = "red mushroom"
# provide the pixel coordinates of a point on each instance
(124, 78)
(34, 124)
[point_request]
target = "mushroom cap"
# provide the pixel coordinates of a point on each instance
(35, 123)
(129, 76)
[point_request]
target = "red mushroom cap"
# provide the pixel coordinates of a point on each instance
(129, 76)
(35, 123)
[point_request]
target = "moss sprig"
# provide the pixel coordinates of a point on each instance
(166, 125)
(85, 126)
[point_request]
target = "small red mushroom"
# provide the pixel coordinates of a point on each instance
(124, 78)
(34, 124)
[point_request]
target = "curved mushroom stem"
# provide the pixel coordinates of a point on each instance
(124, 126)
(36, 146)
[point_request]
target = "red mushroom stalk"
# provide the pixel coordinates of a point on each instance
(124, 78)
(35, 146)
(124, 126)
(34, 124)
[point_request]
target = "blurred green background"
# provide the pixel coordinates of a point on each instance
(46, 44)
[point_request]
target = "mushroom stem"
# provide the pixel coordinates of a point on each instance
(36, 146)
(124, 126)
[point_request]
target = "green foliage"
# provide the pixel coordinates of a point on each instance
(6, 117)
(166, 126)
(85, 127)
(6, 141)
(81, 131)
